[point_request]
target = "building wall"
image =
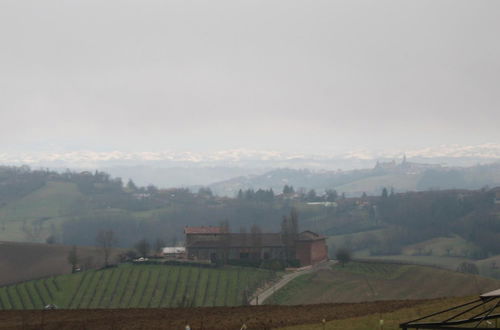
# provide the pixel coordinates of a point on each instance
(311, 253)
(307, 252)
(190, 238)
(303, 253)
(319, 251)
(264, 253)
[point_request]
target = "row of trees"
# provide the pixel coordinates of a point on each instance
(106, 241)
(263, 195)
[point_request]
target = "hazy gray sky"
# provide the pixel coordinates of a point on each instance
(285, 75)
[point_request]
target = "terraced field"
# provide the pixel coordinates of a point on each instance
(138, 286)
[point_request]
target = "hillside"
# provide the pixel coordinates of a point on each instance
(405, 176)
(358, 282)
(26, 261)
(36, 215)
(432, 226)
(133, 286)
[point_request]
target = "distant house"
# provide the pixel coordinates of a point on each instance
(174, 252)
(214, 243)
(325, 204)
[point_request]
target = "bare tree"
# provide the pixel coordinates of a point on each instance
(256, 236)
(143, 247)
(73, 258)
(174, 241)
(225, 240)
(159, 245)
(294, 223)
(106, 240)
(468, 268)
(290, 233)
(34, 231)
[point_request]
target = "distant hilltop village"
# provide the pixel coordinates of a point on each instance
(405, 166)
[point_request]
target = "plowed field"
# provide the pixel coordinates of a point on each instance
(207, 318)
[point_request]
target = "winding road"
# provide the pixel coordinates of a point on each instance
(260, 298)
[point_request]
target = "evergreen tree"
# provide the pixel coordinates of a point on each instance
(240, 195)
(311, 195)
(331, 195)
(343, 255)
(286, 190)
(131, 185)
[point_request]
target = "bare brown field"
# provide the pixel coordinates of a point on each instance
(208, 318)
(27, 261)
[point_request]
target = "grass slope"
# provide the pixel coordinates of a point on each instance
(137, 286)
(52, 202)
(375, 184)
(447, 252)
(358, 282)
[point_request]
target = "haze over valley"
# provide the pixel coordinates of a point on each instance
(222, 165)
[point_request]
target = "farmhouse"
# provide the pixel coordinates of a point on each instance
(215, 243)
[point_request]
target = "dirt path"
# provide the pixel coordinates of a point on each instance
(260, 298)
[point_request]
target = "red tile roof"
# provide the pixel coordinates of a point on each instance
(202, 230)
(310, 236)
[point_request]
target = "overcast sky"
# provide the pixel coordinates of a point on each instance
(284, 75)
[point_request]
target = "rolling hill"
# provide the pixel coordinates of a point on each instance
(358, 282)
(134, 286)
(36, 215)
(402, 177)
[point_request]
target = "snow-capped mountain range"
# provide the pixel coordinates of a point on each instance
(224, 169)
(450, 155)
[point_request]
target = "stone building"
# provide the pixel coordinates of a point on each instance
(214, 243)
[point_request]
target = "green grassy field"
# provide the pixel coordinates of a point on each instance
(445, 252)
(357, 282)
(401, 182)
(450, 263)
(342, 240)
(139, 286)
(453, 246)
(52, 202)
(490, 266)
